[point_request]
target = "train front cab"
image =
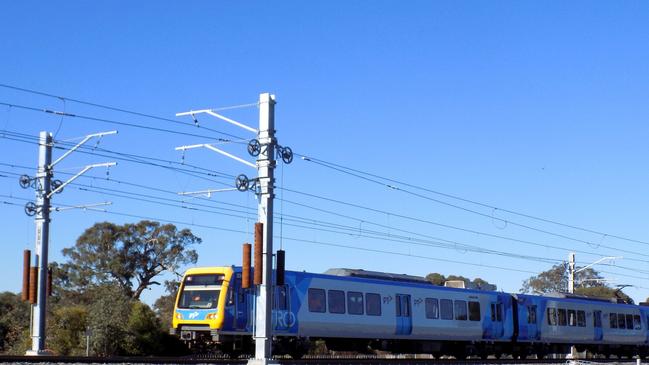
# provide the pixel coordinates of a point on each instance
(199, 311)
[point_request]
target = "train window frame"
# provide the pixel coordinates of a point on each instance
(562, 317)
(460, 310)
(432, 308)
(612, 320)
(637, 322)
(572, 318)
(629, 322)
(446, 309)
(474, 311)
(317, 296)
(581, 318)
(552, 317)
(355, 306)
(621, 321)
(336, 301)
(531, 314)
(373, 304)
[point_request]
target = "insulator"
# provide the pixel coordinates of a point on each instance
(259, 249)
(33, 284)
(245, 270)
(49, 281)
(281, 265)
(26, 261)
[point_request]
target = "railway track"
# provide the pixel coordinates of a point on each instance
(398, 360)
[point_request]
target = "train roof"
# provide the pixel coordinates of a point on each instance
(360, 273)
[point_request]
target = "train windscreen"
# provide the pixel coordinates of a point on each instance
(201, 291)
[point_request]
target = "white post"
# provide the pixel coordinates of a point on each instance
(43, 178)
(571, 273)
(265, 168)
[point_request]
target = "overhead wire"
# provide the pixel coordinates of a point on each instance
(345, 169)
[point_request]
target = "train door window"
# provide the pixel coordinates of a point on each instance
(637, 324)
(572, 318)
(561, 315)
(446, 308)
(613, 320)
(474, 311)
(317, 300)
(336, 299)
(629, 321)
(373, 304)
(460, 310)
(354, 302)
(552, 316)
(493, 312)
(281, 301)
(597, 319)
(581, 318)
(404, 308)
(621, 321)
(499, 312)
(531, 314)
(432, 308)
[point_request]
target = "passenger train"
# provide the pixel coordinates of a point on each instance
(363, 310)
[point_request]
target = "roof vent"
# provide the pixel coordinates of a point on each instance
(455, 284)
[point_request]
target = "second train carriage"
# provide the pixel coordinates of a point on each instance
(356, 310)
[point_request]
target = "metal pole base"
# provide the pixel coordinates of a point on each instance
(38, 353)
(263, 362)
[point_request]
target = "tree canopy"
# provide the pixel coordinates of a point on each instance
(588, 282)
(131, 255)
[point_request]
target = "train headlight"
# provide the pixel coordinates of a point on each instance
(211, 316)
(179, 316)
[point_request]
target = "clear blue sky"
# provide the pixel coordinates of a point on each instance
(535, 107)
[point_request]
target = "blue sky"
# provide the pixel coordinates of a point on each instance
(534, 107)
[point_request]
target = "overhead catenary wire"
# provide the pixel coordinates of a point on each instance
(127, 111)
(364, 175)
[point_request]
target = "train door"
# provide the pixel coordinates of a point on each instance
(283, 318)
(532, 322)
(240, 304)
(597, 325)
(404, 314)
(497, 319)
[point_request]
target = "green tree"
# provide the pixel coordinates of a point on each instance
(130, 255)
(144, 331)
(556, 280)
(107, 319)
(164, 306)
(14, 322)
(67, 327)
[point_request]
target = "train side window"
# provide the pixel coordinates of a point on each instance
(572, 318)
(581, 318)
(621, 321)
(499, 312)
(432, 308)
(474, 311)
(336, 300)
(446, 306)
(629, 321)
(597, 319)
(552, 316)
(637, 324)
(613, 320)
(460, 310)
(561, 315)
(373, 304)
(354, 302)
(531, 314)
(317, 300)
